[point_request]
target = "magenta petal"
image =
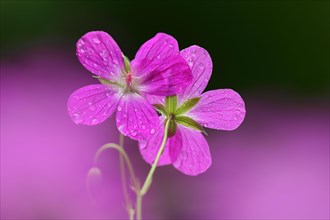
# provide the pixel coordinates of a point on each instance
(159, 67)
(221, 109)
(149, 147)
(100, 54)
(201, 67)
(92, 104)
(155, 99)
(136, 118)
(194, 157)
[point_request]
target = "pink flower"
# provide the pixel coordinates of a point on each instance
(157, 69)
(191, 110)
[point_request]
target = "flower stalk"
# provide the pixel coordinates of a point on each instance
(148, 180)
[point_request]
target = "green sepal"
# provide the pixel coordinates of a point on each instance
(105, 81)
(190, 123)
(171, 128)
(161, 109)
(187, 105)
(171, 103)
(127, 64)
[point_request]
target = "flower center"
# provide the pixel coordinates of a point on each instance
(129, 79)
(131, 84)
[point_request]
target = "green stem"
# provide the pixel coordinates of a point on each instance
(148, 180)
(128, 200)
(124, 158)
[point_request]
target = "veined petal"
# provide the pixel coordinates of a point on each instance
(155, 99)
(136, 118)
(92, 104)
(149, 147)
(194, 157)
(100, 54)
(159, 67)
(221, 109)
(200, 63)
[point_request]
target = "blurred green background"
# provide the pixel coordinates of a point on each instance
(277, 47)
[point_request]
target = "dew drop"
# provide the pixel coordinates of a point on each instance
(104, 54)
(94, 121)
(152, 131)
(76, 118)
(96, 40)
(133, 132)
(119, 108)
(82, 49)
(135, 110)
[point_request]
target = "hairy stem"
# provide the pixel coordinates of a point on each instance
(128, 201)
(148, 180)
(123, 159)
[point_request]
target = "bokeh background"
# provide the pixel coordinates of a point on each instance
(274, 166)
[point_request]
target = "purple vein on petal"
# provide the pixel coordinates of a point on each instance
(186, 93)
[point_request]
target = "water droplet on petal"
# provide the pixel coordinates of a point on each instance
(82, 49)
(133, 132)
(119, 108)
(94, 121)
(77, 118)
(152, 131)
(96, 40)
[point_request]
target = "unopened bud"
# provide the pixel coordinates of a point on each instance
(94, 180)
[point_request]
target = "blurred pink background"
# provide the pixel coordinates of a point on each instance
(275, 166)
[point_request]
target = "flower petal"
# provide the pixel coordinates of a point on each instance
(155, 99)
(221, 109)
(136, 118)
(159, 67)
(92, 104)
(194, 157)
(149, 147)
(100, 54)
(200, 63)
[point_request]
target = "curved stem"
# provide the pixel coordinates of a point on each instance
(125, 159)
(128, 201)
(148, 180)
